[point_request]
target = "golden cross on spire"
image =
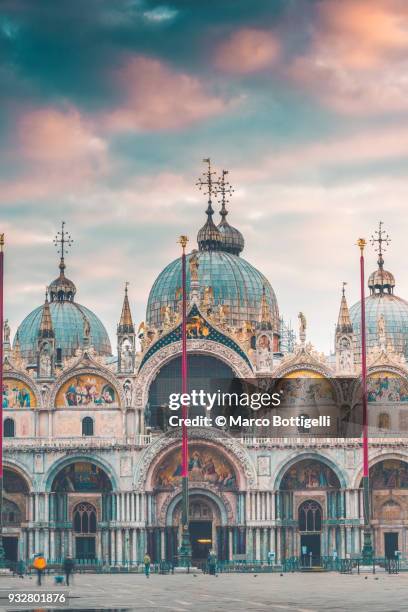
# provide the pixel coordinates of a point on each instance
(343, 290)
(208, 182)
(382, 238)
(126, 286)
(63, 241)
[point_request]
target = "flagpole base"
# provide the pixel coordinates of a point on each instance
(367, 552)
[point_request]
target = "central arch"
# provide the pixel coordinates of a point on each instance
(150, 369)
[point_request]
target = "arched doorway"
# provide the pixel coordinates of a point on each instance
(310, 528)
(81, 495)
(205, 520)
(309, 493)
(214, 489)
(389, 502)
(14, 513)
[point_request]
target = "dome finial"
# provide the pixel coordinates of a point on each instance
(209, 237)
(381, 279)
(233, 240)
(62, 288)
(63, 242)
(380, 237)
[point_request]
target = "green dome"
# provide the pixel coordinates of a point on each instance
(235, 283)
(382, 303)
(395, 312)
(68, 323)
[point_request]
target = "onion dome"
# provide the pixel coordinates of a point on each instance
(382, 302)
(62, 289)
(381, 281)
(232, 239)
(209, 237)
(65, 317)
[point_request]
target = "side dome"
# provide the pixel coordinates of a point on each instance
(72, 326)
(68, 323)
(235, 283)
(382, 303)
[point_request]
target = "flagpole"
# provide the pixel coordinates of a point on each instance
(367, 551)
(185, 548)
(2, 555)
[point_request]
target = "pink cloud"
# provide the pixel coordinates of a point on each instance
(156, 97)
(60, 153)
(247, 50)
(357, 59)
(48, 134)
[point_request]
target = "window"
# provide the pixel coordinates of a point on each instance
(85, 518)
(9, 428)
(310, 516)
(384, 421)
(87, 426)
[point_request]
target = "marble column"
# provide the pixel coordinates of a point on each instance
(134, 546)
(119, 552)
(112, 547)
(257, 543)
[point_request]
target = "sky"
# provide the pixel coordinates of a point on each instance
(108, 108)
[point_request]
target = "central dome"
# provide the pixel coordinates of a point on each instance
(235, 283)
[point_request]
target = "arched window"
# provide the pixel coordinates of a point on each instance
(9, 428)
(384, 421)
(310, 516)
(11, 514)
(87, 426)
(84, 518)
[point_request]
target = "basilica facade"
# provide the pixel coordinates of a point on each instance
(92, 471)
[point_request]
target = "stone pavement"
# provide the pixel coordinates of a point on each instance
(229, 592)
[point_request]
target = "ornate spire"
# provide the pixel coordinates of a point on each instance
(381, 281)
(62, 289)
(265, 317)
(209, 237)
(233, 241)
(46, 328)
(344, 325)
(126, 322)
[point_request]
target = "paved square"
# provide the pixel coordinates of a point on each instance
(231, 592)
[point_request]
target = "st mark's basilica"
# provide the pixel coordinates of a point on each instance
(91, 471)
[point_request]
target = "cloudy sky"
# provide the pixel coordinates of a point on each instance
(107, 109)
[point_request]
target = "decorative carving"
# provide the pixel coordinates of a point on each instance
(84, 365)
(166, 441)
(6, 332)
